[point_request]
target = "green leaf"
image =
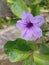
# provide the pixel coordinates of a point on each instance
(44, 49)
(14, 20)
(36, 2)
(35, 9)
(18, 50)
(29, 61)
(18, 7)
(10, 1)
(41, 59)
(32, 45)
(17, 55)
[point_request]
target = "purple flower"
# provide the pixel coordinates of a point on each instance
(30, 26)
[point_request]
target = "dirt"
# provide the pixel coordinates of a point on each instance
(7, 62)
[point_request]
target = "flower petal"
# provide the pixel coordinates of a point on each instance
(27, 15)
(38, 20)
(37, 32)
(21, 24)
(27, 34)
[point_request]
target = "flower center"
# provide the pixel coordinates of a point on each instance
(29, 25)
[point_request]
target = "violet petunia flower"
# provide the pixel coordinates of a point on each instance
(30, 26)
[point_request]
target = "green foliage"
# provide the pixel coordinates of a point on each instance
(35, 9)
(13, 20)
(44, 49)
(34, 2)
(17, 7)
(10, 1)
(4, 23)
(44, 4)
(32, 45)
(17, 55)
(18, 50)
(28, 61)
(41, 59)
